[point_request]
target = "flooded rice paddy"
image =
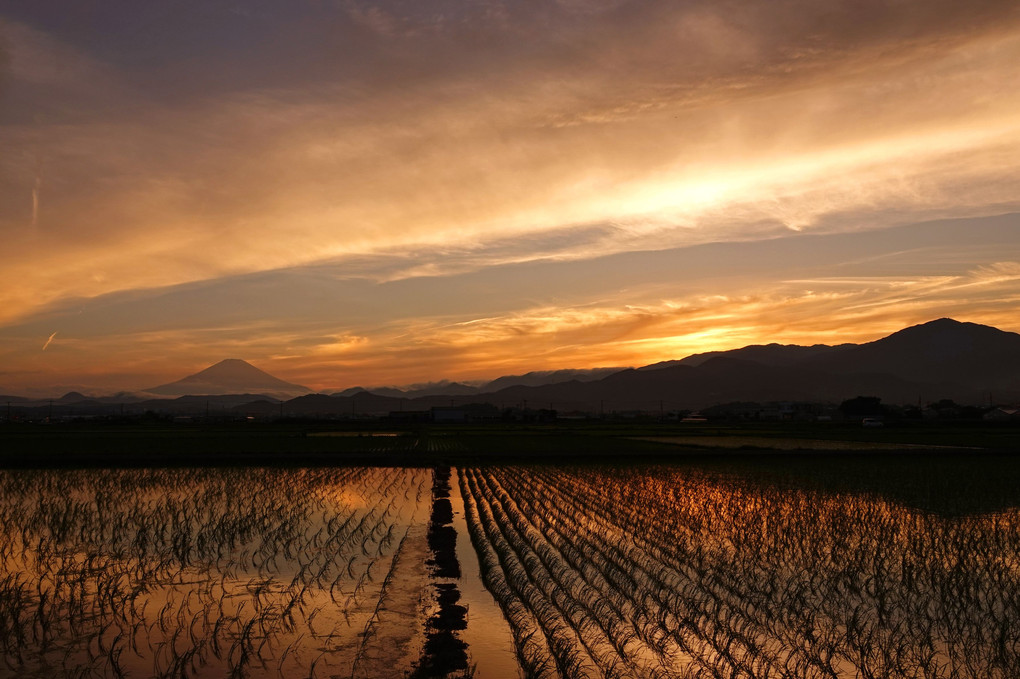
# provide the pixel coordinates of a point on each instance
(685, 570)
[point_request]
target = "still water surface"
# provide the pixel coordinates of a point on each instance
(772, 567)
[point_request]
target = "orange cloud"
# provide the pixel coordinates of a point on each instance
(580, 130)
(258, 181)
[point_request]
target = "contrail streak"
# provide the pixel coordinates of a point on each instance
(48, 341)
(35, 199)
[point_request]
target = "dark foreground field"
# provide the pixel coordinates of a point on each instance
(322, 443)
(596, 550)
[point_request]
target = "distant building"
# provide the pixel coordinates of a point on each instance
(409, 416)
(1002, 414)
(772, 411)
(447, 414)
(472, 412)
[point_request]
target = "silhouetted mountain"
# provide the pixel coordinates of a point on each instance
(230, 376)
(768, 354)
(540, 377)
(350, 391)
(943, 359)
(442, 388)
(318, 404)
(945, 351)
(940, 359)
(389, 392)
(260, 408)
(213, 404)
(121, 397)
(361, 403)
(446, 388)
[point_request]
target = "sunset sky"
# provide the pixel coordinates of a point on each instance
(360, 192)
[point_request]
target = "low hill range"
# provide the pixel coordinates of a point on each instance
(943, 359)
(967, 361)
(535, 378)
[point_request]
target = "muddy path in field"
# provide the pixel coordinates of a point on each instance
(445, 654)
(466, 634)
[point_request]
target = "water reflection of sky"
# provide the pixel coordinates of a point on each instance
(201, 570)
(779, 563)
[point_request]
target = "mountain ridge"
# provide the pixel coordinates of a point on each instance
(941, 359)
(230, 376)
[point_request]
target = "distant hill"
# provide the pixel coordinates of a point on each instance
(944, 359)
(350, 391)
(230, 376)
(767, 354)
(943, 351)
(443, 388)
(540, 377)
(966, 362)
(446, 388)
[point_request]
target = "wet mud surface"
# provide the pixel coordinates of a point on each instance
(445, 653)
